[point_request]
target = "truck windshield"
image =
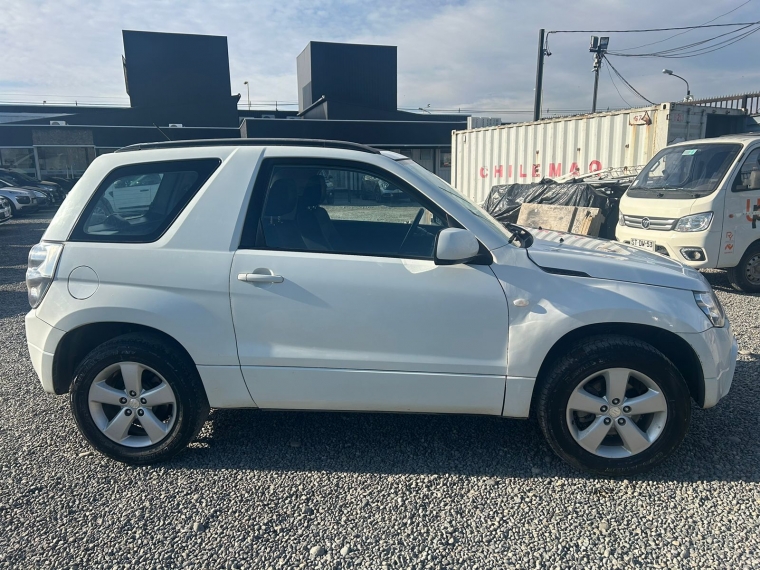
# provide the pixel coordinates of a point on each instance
(685, 171)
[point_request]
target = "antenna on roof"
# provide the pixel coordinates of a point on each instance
(162, 132)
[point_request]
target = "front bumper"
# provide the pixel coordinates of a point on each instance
(672, 242)
(42, 340)
(717, 350)
(30, 208)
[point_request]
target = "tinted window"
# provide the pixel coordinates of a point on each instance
(749, 174)
(137, 203)
(344, 210)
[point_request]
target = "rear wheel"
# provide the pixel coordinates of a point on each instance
(614, 405)
(138, 400)
(746, 275)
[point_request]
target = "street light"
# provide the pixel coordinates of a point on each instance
(248, 87)
(598, 48)
(688, 91)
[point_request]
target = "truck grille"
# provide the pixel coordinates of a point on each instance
(647, 223)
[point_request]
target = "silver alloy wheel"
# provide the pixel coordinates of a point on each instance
(132, 404)
(752, 269)
(616, 413)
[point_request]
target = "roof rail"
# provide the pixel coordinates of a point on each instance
(252, 142)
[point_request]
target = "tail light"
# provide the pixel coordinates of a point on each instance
(43, 259)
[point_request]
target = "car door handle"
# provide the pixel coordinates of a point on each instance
(260, 276)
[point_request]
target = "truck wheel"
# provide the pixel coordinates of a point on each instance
(138, 400)
(613, 405)
(746, 275)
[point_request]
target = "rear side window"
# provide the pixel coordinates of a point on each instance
(137, 203)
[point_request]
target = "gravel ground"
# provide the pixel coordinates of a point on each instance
(324, 490)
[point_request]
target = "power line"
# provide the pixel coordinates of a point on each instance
(716, 47)
(624, 80)
(683, 47)
(687, 31)
(616, 88)
(683, 51)
(651, 29)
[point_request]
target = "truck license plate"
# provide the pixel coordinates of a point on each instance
(643, 243)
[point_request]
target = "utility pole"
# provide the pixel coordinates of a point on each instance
(539, 76)
(598, 48)
(249, 94)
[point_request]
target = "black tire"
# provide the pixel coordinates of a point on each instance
(192, 407)
(595, 354)
(737, 276)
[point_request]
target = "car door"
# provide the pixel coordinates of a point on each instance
(741, 224)
(341, 306)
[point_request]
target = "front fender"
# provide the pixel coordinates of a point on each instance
(544, 307)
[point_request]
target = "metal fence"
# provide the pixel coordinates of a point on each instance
(750, 102)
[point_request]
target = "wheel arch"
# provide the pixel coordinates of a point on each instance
(78, 342)
(675, 348)
(751, 244)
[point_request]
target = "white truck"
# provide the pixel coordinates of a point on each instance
(698, 202)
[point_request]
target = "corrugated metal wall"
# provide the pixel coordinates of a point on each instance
(527, 152)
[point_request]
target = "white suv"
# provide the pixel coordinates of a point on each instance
(233, 283)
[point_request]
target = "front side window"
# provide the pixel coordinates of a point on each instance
(335, 209)
(749, 174)
(137, 203)
(685, 171)
(461, 199)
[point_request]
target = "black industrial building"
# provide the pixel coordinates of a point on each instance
(179, 88)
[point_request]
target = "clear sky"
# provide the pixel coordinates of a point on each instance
(473, 54)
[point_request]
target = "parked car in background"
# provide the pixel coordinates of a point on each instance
(44, 197)
(66, 184)
(21, 180)
(183, 276)
(698, 202)
(380, 190)
(22, 201)
(6, 213)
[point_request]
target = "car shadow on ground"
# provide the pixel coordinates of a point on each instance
(438, 444)
(718, 280)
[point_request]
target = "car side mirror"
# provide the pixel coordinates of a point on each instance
(456, 246)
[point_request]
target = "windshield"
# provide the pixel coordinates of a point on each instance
(443, 185)
(685, 170)
(16, 177)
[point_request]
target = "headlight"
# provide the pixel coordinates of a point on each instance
(43, 259)
(621, 219)
(711, 307)
(23, 199)
(694, 223)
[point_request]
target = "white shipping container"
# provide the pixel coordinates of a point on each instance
(527, 152)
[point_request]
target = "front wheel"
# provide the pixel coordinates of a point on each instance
(746, 275)
(613, 405)
(138, 399)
